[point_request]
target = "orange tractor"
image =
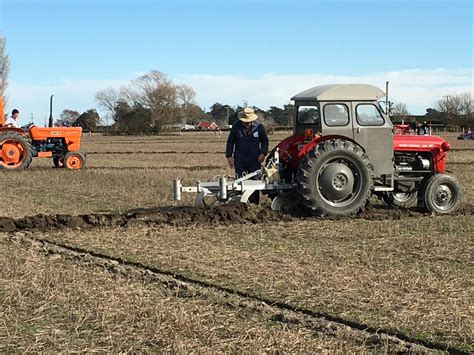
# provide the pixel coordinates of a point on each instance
(18, 146)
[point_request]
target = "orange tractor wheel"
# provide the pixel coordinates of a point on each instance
(15, 151)
(74, 160)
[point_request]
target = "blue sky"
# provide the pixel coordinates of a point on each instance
(260, 51)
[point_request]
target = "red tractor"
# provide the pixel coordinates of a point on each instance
(18, 146)
(343, 150)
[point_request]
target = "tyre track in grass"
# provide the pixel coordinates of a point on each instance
(223, 215)
(461, 163)
(175, 167)
(276, 310)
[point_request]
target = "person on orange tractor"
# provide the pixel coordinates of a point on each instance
(14, 120)
(247, 146)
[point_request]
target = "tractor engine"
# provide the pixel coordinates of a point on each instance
(54, 145)
(412, 161)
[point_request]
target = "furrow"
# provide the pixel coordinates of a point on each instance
(275, 310)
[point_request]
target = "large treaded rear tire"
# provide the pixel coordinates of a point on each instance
(25, 142)
(335, 179)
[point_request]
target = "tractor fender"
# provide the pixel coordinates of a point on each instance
(294, 148)
(308, 147)
(13, 129)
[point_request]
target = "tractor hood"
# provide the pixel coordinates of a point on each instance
(406, 142)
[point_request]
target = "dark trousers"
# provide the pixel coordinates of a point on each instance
(242, 168)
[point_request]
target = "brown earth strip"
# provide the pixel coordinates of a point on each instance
(276, 311)
(190, 216)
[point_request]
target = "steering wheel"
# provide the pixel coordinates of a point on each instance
(27, 126)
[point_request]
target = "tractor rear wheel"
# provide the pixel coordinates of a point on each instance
(15, 151)
(74, 160)
(442, 194)
(335, 179)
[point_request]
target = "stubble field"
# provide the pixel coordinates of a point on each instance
(103, 260)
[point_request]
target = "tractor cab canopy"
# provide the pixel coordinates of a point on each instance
(345, 92)
(348, 110)
(337, 112)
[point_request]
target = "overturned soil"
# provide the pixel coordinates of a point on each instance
(190, 216)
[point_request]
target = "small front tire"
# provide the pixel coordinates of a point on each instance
(442, 194)
(74, 160)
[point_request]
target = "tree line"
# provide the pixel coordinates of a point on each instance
(153, 102)
(138, 116)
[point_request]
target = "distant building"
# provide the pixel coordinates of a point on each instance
(210, 126)
(178, 127)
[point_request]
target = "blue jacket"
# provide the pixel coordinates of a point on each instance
(246, 147)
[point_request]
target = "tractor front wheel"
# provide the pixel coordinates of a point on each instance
(335, 179)
(74, 160)
(15, 151)
(442, 194)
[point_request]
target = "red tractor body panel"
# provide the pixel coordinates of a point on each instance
(294, 148)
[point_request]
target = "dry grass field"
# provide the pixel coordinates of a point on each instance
(135, 271)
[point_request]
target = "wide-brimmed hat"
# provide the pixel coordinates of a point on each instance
(247, 115)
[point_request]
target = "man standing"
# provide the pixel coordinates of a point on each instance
(14, 120)
(247, 146)
(425, 128)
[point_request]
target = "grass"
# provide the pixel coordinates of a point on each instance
(413, 276)
(55, 305)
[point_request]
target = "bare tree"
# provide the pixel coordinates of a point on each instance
(186, 102)
(467, 103)
(4, 68)
(450, 105)
(457, 108)
(154, 91)
(108, 99)
(400, 109)
(68, 117)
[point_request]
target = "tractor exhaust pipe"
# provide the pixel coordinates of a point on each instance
(51, 111)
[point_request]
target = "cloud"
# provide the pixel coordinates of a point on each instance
(74, 94)
(418, 88)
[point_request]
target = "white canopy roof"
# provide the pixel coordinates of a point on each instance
(351, 92)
